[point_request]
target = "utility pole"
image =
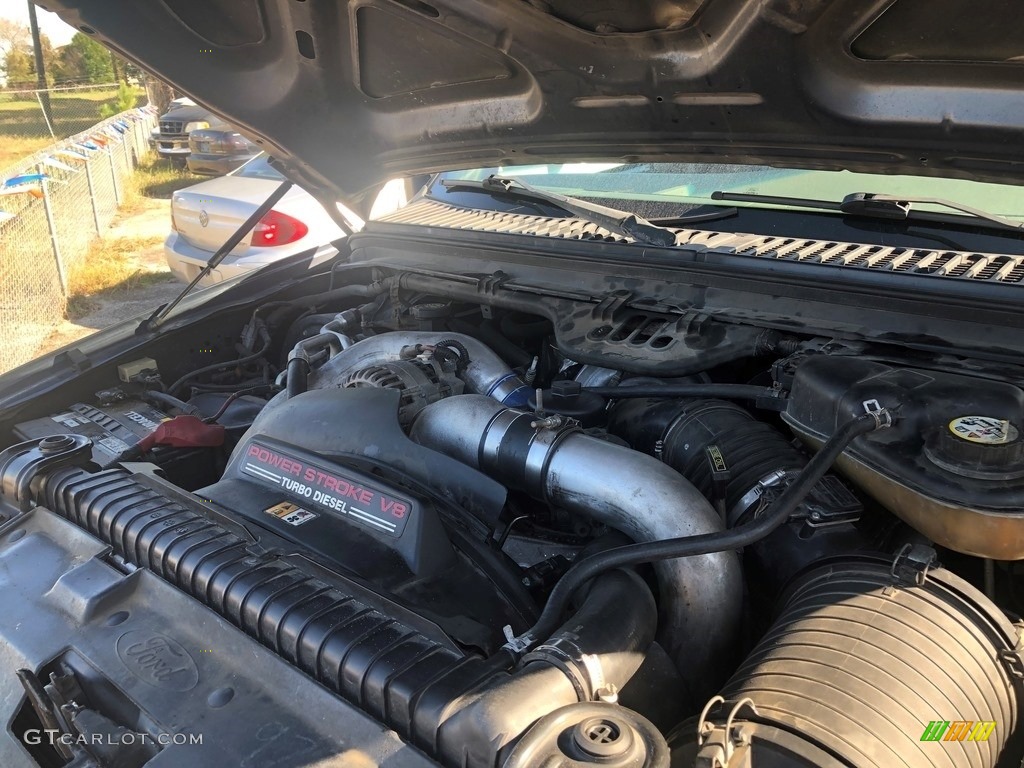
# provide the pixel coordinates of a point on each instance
(37, 49)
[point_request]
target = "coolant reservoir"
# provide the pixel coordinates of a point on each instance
(952, 466)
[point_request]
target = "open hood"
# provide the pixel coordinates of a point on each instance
(348, 94)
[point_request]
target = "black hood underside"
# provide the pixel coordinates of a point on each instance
(348, 94)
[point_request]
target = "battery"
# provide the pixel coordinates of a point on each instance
(112, 429)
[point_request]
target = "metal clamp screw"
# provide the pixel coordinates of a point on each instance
(516, 645)
(883, 417)
(548, 422)
(544, 422)
(717, 743)
(1013, 658)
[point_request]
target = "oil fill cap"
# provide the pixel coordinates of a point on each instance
(603, 737)
(980, 447)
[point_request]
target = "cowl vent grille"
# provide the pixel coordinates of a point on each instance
(1000, 268)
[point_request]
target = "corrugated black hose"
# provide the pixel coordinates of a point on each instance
(691, 546)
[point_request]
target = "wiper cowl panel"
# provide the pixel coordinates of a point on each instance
(615, 221)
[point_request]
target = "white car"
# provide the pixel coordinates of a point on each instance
(203, 216)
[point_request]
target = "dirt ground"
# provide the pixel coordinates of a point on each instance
(151, 220)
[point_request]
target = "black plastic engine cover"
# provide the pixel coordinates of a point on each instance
(332, 471)
(384, 535)
(361, 426)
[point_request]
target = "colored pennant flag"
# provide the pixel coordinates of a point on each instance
(26, 178)
(53, 163)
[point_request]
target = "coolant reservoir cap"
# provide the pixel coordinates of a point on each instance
(981, 447)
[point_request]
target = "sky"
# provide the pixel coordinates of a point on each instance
(49, 23)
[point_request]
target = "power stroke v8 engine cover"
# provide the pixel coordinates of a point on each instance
(380, 532)
(333, 472)
(327, 489)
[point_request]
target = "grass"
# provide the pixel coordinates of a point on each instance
(108, 270)
(111, 267)
(23, 129)
(71, 112)
(154, 179)
(16, 148)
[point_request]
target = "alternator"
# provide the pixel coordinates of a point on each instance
(421, 382)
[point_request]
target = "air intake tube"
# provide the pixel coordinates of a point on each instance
(867, 669)
(718, 446)
(700, 596)
(595, 652)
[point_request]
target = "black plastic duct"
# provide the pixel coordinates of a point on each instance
(742, 465)
(694, 435)
(864, 668)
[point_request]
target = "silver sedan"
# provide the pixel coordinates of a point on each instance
(203, 216)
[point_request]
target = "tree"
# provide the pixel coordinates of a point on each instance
(15, 53)
(20, 65)
(159, 94)
(19, 69)
(131, 73)
(13, 37)
(70, 65)
(85, 59)
(126, 98)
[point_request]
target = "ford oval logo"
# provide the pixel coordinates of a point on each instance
(204, 218)
(157, 660)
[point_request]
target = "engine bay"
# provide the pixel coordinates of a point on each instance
(593, 534)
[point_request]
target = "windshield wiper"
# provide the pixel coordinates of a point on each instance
(616, 221)
(161, 313)
(872, 206)
(695, 218)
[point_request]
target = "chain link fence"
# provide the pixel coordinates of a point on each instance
(61, 111)
(53, 204)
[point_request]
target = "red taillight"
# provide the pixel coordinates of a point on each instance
(229, 142)
(278, 228)
(236, 141)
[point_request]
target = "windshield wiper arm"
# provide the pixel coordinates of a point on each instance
(161, 313)
(612, 219)
(695, 218)
(874, 206)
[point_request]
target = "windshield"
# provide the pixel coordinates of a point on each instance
(259, 168)
(665, 189)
